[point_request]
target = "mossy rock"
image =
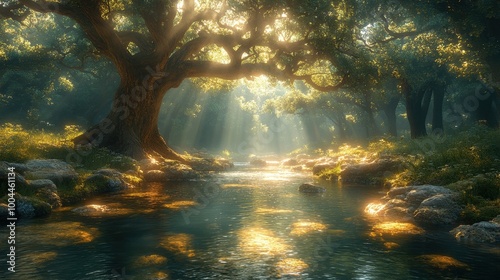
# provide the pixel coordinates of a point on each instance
(30, 207)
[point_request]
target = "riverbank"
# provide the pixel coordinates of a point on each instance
(467, 164)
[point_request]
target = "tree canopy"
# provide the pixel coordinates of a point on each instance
(352, 58)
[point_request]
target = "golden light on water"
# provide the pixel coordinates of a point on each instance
(373, 209)
(305, 227)
(59, 233)
(40, 258)
(179, 243)
(291, 266)
(239, 186)
(395, 228)
(180, 204)
(443, 262)
(258, 241)
(150, 260)
(272, 211)
(391, 245)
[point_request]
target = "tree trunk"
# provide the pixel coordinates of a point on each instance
(486, 111)
(131, 128)
(414, 111)
(390, 113)
(437, 110)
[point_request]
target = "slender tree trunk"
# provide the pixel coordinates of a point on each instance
(390, 113)
(437, 110)
(131, 128)
(486, 111)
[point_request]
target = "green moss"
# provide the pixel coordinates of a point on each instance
(331, 173)
(480, 211)
(42, 208)
(131, 179)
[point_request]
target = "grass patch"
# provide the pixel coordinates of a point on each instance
(19, 145)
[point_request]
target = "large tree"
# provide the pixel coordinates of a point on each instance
(156, 44)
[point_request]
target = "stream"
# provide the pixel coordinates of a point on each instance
(246, 223)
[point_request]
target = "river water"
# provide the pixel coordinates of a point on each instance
(242, 224)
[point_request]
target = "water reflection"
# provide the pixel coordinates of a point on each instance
(256, 227)
(443, 262)
(180, 204)
(180, 243)
(151, 260)
(306, 227)
(395, 228)
(291, 266)
(255, 241)
(58, 233)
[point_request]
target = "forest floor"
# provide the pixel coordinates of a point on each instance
(467, 162)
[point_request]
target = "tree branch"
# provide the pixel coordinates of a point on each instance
(396, 35)
(8, 12)
(88, 15)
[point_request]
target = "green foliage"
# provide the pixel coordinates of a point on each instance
(19, 145)
(331, 174)
(443, 161)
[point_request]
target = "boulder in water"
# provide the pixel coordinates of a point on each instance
(310, 188)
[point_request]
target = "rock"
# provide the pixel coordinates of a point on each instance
(106, 180)
(297, 168)
(109, 172)
(49, 196)
(210, 164)
(289, 162)
(20, 167)
(437, 210)
(310, 163)
(397, 213)
(479, 232)
(55, 170)
(148, 164)
(426, 204)
(309, 188)
(43, 184)
(320, 167)
(399, 192)
(155, 176)
(258, 162)
(90, 210)
(27, 207)
(420, 193)
(179, 172)
(369, 173)
(496, 220)
(4, 175)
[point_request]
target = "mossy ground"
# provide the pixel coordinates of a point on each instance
(467, 162)
(19, 145)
